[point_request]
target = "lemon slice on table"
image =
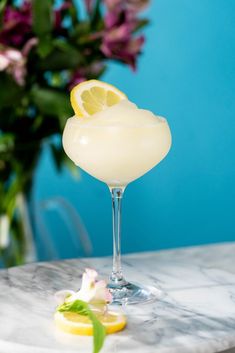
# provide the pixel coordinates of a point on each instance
(93, 96)
(81, 325)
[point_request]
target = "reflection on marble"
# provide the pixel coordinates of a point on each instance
(196, 313)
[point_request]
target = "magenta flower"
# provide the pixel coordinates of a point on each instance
(123, 50)
(84, 73)
(17, 22)
(133, 5)
(14, 61)
(89, 5)
(118, 41)
(32, 42)
(77, 77)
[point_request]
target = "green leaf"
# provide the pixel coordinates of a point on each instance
(51, 102)
(7, 141)
(74, 13)
(82, 308)
(81, 29)
(99, 333)
(96, 15)
(44, 47)
(42, 17)
(63, 56)
(10, 91)
(2, 5)
(77, 306)
(2, 8)
(9, 200)
(43, 25)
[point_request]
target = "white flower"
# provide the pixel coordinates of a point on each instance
(14, 55)
(92, 291)
(13, 61)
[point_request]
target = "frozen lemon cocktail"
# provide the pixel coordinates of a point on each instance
(116, 142)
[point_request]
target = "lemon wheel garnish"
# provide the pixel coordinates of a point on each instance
(93, 96)
(81, 325)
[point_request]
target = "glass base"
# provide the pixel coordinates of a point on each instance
(132, 293)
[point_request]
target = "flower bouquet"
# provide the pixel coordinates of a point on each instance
(46, 48)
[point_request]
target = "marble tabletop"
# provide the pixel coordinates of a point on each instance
(196, 313)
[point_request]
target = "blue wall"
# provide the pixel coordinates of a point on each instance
(187, 73)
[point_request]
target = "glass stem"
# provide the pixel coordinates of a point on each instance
(116, 278)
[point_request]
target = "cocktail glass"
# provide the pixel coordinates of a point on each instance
(117, 155)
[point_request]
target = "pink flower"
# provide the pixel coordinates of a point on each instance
(134, 5)
(92, 291)
(84, 73)
(125, 51)
(32, 42)
(13, 62)
(118, 41)
(89, 5)
(77, 78)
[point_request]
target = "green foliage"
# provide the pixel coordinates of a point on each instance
(10, 91)
(44, 46)
(62, 56)
(96, 15)
(49, 101)
(82, 308)
(42, 17)
(43, 25)
(6, 142)
(2, 7)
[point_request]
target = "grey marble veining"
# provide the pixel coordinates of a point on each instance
(196, 313)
